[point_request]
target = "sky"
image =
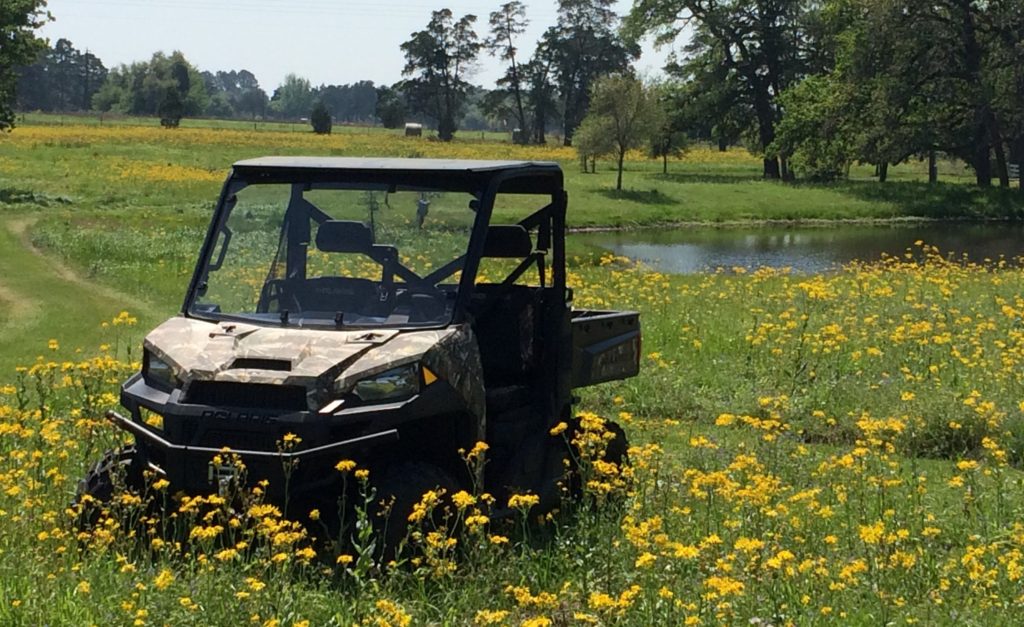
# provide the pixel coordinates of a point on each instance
(326, 41)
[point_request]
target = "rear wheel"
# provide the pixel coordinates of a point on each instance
(616, 451)
(618, 448)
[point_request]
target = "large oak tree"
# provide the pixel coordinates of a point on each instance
(761, 46)
(438, 58)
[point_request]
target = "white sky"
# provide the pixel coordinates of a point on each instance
(326, 41)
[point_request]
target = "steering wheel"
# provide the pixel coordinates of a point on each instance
(277, 290)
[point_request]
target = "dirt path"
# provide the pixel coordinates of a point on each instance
(43, 299)
(21, 228)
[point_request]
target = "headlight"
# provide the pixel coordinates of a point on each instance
(158, 373)
(395, 384)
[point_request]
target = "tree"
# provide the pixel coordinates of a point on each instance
(763, 46)
(818, 133)
(1006, 26)
(19, 46)
(91, 76)
(61, 79)
(593, 139)
(438, 59)
(320, 118)
(172, 106)
(390, 108)
(350, 103)
(628, 111)
(668, 139)
(541, 95)
(253, 101)
(706, 103)
(507, 23)
(584, 45)
(145, 88)
(293, 98)
(911, 78)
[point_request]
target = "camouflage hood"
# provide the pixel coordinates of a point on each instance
(198, 350)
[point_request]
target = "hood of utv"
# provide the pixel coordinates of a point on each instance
(198, 350)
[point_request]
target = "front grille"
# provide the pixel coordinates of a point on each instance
(248, 395)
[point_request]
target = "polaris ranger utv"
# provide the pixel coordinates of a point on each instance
(371, 308)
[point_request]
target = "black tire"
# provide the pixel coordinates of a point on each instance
(403, 486)
(618, 449)
(117, 469)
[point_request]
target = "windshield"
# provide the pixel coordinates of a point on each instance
(308, 255)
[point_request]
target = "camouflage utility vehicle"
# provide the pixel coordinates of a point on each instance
(370, 309)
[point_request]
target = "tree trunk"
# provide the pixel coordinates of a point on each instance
(445, 129)
(517, 91)
(664, 163)
(1002, 171)
(722, 144)
(766, 131)
(539, 124)
(933, 168)
(788, 175)
(997, 146)
(972, 58)
(618, 182)
(883, 172)
(982, 163)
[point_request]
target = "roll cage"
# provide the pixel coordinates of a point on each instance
(484, 180)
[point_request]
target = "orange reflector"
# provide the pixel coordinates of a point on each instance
(428, 376)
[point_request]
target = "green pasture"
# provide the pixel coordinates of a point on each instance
(883, 396)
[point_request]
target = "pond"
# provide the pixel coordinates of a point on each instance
(802, 248)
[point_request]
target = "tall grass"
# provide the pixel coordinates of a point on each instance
(839, 449)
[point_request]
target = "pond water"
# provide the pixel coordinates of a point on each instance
(803, 248)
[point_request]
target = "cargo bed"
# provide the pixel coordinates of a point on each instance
(606, 346)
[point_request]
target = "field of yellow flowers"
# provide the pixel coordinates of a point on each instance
(827, 449)
(834, 449)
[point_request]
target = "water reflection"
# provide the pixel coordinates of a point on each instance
(806, 249)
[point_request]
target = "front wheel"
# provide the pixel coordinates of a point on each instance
(398, 491)
(118, 470)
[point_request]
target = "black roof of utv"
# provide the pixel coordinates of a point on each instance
(518, 177)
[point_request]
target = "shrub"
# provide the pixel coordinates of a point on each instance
(320, 118)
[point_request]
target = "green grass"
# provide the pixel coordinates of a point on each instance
(42, 299)
(883, 404)
(706, 186)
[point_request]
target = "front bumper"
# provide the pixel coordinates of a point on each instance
(334, 449)
(191, 435)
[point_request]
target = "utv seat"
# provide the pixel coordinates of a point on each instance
(507, 321)
(507, 335)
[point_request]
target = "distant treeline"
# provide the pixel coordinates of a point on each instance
(64, 79)
(548, 90)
